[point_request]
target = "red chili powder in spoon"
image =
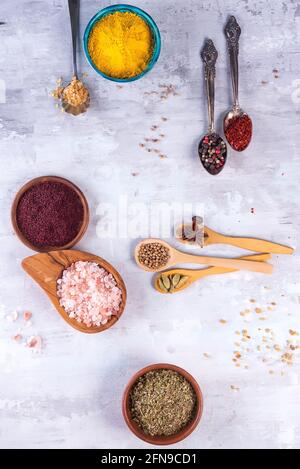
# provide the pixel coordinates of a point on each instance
(50, 214)
(239, 132)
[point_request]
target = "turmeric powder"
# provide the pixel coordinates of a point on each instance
(121, 45)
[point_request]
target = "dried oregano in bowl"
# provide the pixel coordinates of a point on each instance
(162, 402)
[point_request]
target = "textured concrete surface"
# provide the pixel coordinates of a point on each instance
(68, 396)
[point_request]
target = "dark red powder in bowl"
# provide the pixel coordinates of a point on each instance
(50, 214)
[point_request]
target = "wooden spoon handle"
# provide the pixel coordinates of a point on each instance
(256, 245)
(197, 274)
(236, 264)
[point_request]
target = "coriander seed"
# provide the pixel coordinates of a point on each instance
(154, 256)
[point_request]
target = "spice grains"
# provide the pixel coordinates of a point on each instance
(89, 294)
(239, 132)
(75, 94)
(213, 153)
(162, 402)
(154, 256)
(121, 45)
(50, 214)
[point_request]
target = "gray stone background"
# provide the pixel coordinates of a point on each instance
(68, 396)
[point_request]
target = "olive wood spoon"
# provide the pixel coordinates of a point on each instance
(194, 275)
(178, 257)
(251, 244)
(46, 269)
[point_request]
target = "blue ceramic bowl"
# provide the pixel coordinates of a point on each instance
(122, 8)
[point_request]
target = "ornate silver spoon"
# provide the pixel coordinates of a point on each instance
(212, 148)
(237, 124)
(75, 97)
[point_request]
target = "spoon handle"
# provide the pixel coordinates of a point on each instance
(74, 18)
(209, 56)
(237, 264)
(256, 245)
(223, 270)
(232, 33)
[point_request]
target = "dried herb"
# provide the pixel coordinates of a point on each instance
(162, 402)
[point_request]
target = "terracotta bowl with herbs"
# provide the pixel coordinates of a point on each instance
(162, 404)
(50, 213)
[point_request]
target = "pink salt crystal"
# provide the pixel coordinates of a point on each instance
(89, 294)
(27, 315)
(12, 317)
(34, 342)
(17, 337)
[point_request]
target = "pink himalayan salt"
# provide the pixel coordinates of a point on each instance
(27, 315)
(34, 342)
(89, 294)
(17, 337)
(12, 317)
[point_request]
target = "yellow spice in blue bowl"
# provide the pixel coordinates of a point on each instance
(122, 43)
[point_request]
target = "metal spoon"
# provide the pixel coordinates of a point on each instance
(178, 257)
(232, 33)
(212, 148)
(74, 19)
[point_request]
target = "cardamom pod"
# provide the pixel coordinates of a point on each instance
(175, 279)
(182, 281)
(162, 286)
(166, 281)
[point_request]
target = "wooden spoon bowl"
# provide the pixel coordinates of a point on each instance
(47, 268)
(40, 180)
(171, 261)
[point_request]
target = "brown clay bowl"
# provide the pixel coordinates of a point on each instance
(46, 268)
(69, 184)
(161, 440)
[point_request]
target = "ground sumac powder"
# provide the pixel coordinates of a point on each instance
(50, 214)
(239, 132)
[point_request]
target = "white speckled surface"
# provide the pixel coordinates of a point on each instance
(69, 395)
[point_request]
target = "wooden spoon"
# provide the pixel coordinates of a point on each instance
(178, 257)
(251, 244)
(194, 275)
(47, 268)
